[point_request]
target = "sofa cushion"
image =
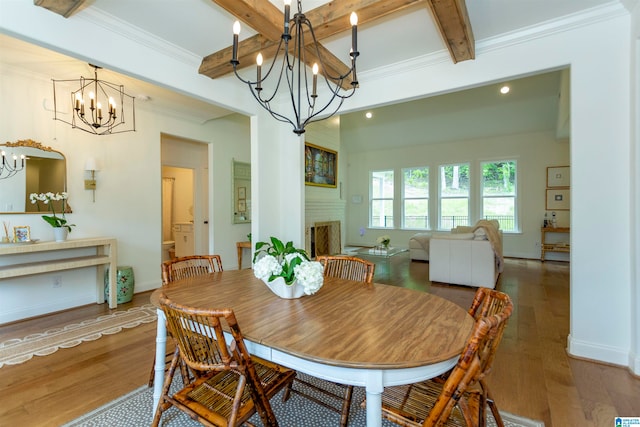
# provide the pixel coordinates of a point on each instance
(462, 229)
(455, 236)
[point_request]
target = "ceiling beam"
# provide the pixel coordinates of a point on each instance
(327, 20)
(61, 7)
(452, 19)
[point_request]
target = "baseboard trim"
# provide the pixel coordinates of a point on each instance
(597, 352)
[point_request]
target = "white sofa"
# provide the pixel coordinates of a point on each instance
(419, 247)
(471, 259)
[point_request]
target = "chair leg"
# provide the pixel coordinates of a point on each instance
(152, 374)
(165, 389)
(287, 392)
(492, 404)
(495, 411)
(346, 406)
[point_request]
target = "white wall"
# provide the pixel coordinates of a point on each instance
(231, 141)
(634, 354)
(533, 153)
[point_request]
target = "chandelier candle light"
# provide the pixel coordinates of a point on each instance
(91, 117)
(294, 68)
(11, 166)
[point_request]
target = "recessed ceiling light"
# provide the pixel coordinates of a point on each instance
(368, 114)
(505, 89)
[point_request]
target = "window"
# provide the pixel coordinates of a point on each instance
(381, 212)
(499, 193)
(415, 197)
(454, 195)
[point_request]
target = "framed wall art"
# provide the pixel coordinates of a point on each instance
(320, 166)
(558, 176)
(558, 199)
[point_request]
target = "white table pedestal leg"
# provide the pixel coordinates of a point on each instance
(161, 350)
(374, 400)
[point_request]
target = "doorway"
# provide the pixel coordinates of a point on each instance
(185, 212)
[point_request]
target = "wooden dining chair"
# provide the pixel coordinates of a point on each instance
(347, 267)
(229, 384)
(459, 397)
(189, 266)
(488, 302)
(182, 268)
(344, 267)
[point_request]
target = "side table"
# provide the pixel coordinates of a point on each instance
(240, 246)
(553, 246)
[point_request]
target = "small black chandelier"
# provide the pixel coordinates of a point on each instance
(294, 71)
(95, 116)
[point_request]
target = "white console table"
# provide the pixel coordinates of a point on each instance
(106, 254)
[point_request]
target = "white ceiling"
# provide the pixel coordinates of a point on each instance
(200, 27)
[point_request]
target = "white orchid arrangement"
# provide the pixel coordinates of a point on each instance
(276, 259)
(384, 240)
(47, 198)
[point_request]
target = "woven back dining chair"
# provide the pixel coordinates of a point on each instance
(182, 268)
(457, 398)
(343, 267)
(229, 384)
(189, 266)
(488, 302)
(347, 267)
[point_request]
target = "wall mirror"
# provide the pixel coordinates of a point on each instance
(241, 192)
(45, 171)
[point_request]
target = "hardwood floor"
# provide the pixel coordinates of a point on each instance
(532, 377)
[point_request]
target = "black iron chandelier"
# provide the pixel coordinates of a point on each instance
(109, 109)
(294, 72)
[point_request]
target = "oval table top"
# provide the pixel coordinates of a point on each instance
(344, 324)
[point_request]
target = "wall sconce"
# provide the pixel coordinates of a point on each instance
(90, 165)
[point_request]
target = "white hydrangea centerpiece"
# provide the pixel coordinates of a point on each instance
(276, 259)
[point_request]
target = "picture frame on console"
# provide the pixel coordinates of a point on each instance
(21, 233)
(320, 166)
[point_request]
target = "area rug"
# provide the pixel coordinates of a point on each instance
(19, 350)
(134, 410)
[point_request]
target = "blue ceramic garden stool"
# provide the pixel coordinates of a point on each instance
(125, 283)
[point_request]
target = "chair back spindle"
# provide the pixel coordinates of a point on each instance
(190, 266)
(346, 267)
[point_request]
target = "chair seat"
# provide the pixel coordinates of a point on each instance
(409, 405)
(211, 396)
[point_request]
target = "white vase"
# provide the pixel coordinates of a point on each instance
(60, 233)
(280, 288)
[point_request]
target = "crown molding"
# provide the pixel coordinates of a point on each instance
(110, 23)
(570, 22)
(554, 26)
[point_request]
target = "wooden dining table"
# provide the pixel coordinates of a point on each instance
(371, 336)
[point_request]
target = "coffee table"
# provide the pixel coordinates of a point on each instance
(382, 253)
(382, 259)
